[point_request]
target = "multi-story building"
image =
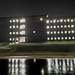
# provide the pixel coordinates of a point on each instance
(37, 29)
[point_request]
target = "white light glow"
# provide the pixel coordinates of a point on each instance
(62, 38)
(65, 38)
(58, 38)
(17, 26)
(65, 32)
(69, 38)
(54, 26)
(47, 15)
(55, 38)
(17, 39)
(48, 38)
(47, 32)
(22, 26)
(54, 21)
(73, 38)
(68, 26)
(57, 20)
(13, 39)
(41, 19)
(65, 26)
(13, 26)
(34, 32)
(72, 20)
(68, 20)
(13, 32)
(10, 33)
(10, 27)
(16, 32)
(10, 21)
(51, 38)
(51, 32)
(58, 32)
(22, 32)
(72, 26)
(47, 27)
(61, 26)
(50, 21)
(69, 32)
(54, 32)
(57, 26)
(13, 20)
(72, 31)
(51, 27)
(47, 21)
(64, 20)
(61, 32)
(10, 39)
(61, 20)
(17, 20)
(22, 20)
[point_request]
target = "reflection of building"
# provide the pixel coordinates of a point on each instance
(37, 29)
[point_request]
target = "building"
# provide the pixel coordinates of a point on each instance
(39, 28)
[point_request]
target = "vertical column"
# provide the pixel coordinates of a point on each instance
(64, 66)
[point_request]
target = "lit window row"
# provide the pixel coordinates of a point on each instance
(60, 26)
(17, 20)
(12, 39)
(21, 33)
(60, 32)
(60, 20)
(60, 38)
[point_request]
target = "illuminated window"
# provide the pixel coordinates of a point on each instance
(69, 38)
(51, 38)
(13, 39)
(16, 32)
(73, 37)
(69, 32)
(68, 26)
(72, 31)
(10, 39)
(55, 38)
(47, 27)
(51, 32)
(51, 27)
(61, 20)
(58, 32)
(47, 21)
(13, 26)
(41, 19)
(65, 32)
(72, 20)
(72, 26)
(13, 20)
(62, 38)
(57, 20)
(17, 20)
(58, 38)
(54, 32)
(13, 32)
(54, 26)
(61, 26)
(65, 26)
(61, 32)
(48, 38)
(47, 32)
(10, 27)
(34, 32)
(64, 20)
(10, 33)
(57, 26)
(10, 21)
(50, 21)
(54, 21)
(17, 39)
(65, 38)
(17, 26)
(22, 32)
(22, 20)
(22, 26)
(68, 20)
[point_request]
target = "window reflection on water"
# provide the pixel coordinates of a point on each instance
(49, 66)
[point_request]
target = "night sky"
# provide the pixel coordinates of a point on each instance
(11, 8)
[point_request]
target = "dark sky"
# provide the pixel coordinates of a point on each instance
(10, 8)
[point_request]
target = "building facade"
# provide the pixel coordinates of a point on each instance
(37, 29)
